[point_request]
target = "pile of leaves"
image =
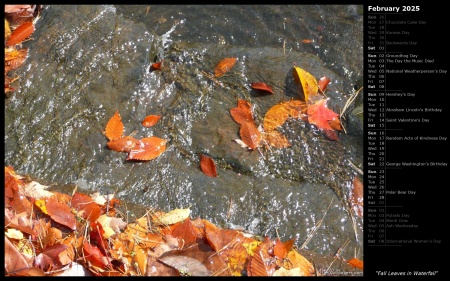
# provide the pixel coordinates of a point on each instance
(19, 25)
(46, 232)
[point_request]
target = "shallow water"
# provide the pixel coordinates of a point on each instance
(86, 62)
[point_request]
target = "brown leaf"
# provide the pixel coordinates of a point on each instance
(357, 197)
(150, 120)
(261, 86)
(279, 249)
(250, 135)
(15, 59)
(124, 144)
(20, 33)
(323, 83)
(299, 261)
(90, 209)
(224, 66)
(262, 263)
(61, 213)
(49, 258)
(208, 166)
(14, 260)
(307, 81)
(242, 113)
(186, 232)
(114, 127)
(147, 149)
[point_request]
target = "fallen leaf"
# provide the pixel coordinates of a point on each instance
(150, 120)
(357, 197)
(186, 265)
(319, 114)
(14, 260)
(307, 41)
(156, 66)
(323, 83)
(250, 135)
(276, 139)
(262, 263)
(114, 127)
(275, 117)
(307, 81)
(124, 144)
(174, 216)
(20, 33)
(299, 261)
(224, 66)
(356, 263)
(60, 213)
(261, 86)
(208, 166)
(85, 207)
(147, 149)
(242, 113)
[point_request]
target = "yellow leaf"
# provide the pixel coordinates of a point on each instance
(14, 234)
(251, 247)
(41, 204)
(174, 216)
(299, 261)
(307, 81)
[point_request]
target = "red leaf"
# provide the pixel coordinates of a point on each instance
(147, 149)
(124, 144)
(357, 197)
(242, 113)
(250, 135)
(114, 127)
(279, 250)
(20, 33)
(319, 115)
(323, 83)
(224, 66)
(260, 86)
(85, 203)
(150, 120)
(60, 213)
(156, 66)
(94, 255)
(208, 166)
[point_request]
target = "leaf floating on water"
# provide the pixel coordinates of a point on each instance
(250, 135)
(208, 166)
(319, 114)
(20, 33)
(307, 81)
(124, 144)
(114, 127)
(224, 66)
(260, 86)
(150, 120)
(147, 149)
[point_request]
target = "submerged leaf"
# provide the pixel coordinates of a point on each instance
(260, 86)
(224, 66)
(208, 166)
(114, 127)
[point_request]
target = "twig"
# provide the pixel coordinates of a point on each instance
(347, 104)
(356, 168)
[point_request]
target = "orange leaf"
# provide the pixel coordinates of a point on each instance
(276, 139)
(186, 232)
(319, 114)
(85, 203)
(307, 81)
(208, 166)
(114, 127)
(262, 263)
(124, 144)
(275, 117)
(250, 135)
(150, 120)
(156, 66)
(224, 66)
(94, 255)
(60, 213)
(279, 250)
(260, 86)
(242, 113)
(356, 263)
(147, 149)
(20, 33)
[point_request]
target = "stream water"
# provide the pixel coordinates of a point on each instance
(85, 62)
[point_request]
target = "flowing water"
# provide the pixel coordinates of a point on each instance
(86, 62)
